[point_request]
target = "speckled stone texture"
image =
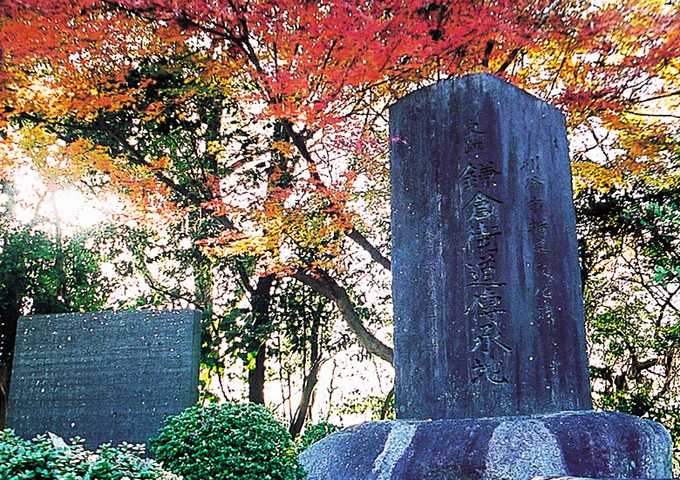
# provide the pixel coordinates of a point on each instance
(488, 315)
(581, 444)
(105, 377)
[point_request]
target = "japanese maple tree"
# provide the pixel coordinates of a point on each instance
(292, 168)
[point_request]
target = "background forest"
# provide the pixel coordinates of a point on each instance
(240, 151)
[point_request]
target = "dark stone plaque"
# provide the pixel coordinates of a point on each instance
(105, 377)
(487, 295)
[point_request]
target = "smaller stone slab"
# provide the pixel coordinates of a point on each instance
(105, 377)
(580, 444)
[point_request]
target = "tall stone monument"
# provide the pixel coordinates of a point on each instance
(488, 313)
(490, 357)
(105, 377)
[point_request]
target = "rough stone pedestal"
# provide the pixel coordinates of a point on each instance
(582, 444)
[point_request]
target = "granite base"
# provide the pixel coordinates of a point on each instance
(581, 444)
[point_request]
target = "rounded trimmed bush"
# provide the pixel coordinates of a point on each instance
(227, 442)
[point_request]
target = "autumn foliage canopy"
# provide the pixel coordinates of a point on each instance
(295, 159)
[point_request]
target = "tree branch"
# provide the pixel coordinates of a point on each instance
(643, 114)
(245, 279)
(309, 384)
(375, 254)
(353, 234)
(538, 25)
(328, 287)
(487, 52)
(137, 158)
(508, 61)
(658, 97)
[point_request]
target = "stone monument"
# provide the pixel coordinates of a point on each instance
(490, 358)
(105, 377)
(487, 292)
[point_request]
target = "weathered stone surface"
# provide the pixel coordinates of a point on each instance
(581, 444)
(582, 478)
(486, 286)
(106, 377)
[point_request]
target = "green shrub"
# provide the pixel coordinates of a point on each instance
(314, 433)
(227, 442)
(39, 459)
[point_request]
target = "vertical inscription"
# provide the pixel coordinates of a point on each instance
(484, 303)
(432, 275)
(538, 233)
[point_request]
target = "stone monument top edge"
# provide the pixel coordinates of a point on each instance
(180, 311)
(487, 80)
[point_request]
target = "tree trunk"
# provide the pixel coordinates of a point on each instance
(5, 371)
(386, 404)
(8, 331)
(306, 400)
(311, 378)
(256, 376)
(260, 301)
